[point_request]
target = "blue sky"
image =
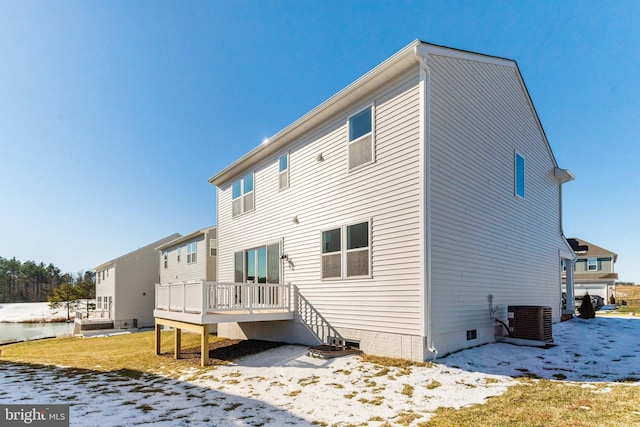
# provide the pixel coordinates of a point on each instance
(113, 115)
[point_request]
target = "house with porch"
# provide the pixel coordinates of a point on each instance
(125, 288)
(593, 270)
(402, 216)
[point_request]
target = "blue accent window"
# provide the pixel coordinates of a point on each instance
(519, 182)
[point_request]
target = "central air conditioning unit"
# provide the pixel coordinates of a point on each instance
(530, 322)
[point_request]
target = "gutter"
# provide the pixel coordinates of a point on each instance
(422, 55)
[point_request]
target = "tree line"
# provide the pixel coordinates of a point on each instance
(36, 282)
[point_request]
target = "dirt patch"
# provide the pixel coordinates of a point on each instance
(224, 351)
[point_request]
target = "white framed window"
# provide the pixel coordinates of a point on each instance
(242, 195)
(592, 264)
(178, 251)
(346, 251)
(98, 276)
(165, 259)
(283, 171)
(213, 247)
(361, 138)
(192, 253)
(519, 175)
(564, 265)
(99, 303)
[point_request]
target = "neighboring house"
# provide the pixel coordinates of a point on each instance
(125, 286)
(392, 214)
(593, 270)
(191, 257)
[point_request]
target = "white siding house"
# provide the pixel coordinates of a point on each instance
(393, 210)
(125, 286)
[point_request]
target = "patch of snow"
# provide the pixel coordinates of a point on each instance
(31, 312)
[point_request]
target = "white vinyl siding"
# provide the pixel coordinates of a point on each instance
(323, 194)
(484, 240)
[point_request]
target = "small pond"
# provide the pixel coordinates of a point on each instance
(11, 332)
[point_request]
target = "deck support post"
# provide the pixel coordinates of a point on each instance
(178, 326)
(204, 346)
(177, 338)
(158, 338)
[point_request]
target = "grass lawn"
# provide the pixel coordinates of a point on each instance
(120, 352)
(531, 402)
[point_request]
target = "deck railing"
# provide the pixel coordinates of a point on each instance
(201, 297)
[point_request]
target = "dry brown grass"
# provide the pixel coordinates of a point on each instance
(134, 352)
(550, 403)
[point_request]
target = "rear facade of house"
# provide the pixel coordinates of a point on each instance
(396, 207)
(190, 257)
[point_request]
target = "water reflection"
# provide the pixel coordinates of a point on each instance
(11, 332)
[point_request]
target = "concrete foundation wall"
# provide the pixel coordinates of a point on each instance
(402, 346)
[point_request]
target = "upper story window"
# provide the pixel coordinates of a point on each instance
(242, 195)
(361, 138)
(165, 259)
(192, 249)
(178, 253)
(519, 176)
(98, 276)
(283, 171)
(346, 252)
(213, 247)
(592, 264)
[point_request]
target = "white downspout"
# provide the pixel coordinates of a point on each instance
(425, 118)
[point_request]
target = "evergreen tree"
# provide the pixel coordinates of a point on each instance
(65, 296)
(586, 308)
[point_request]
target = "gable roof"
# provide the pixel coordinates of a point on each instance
(592, 250)
(384, 72)
(183, 239)
(149, 246)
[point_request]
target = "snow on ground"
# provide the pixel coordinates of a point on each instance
(600, 349)
(30, 312)
(284, 386)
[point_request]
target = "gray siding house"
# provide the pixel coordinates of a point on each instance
(593, 270)
(390, 213)
(190, 257)
(125, 286)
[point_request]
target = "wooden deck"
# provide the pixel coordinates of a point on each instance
(195, 305)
